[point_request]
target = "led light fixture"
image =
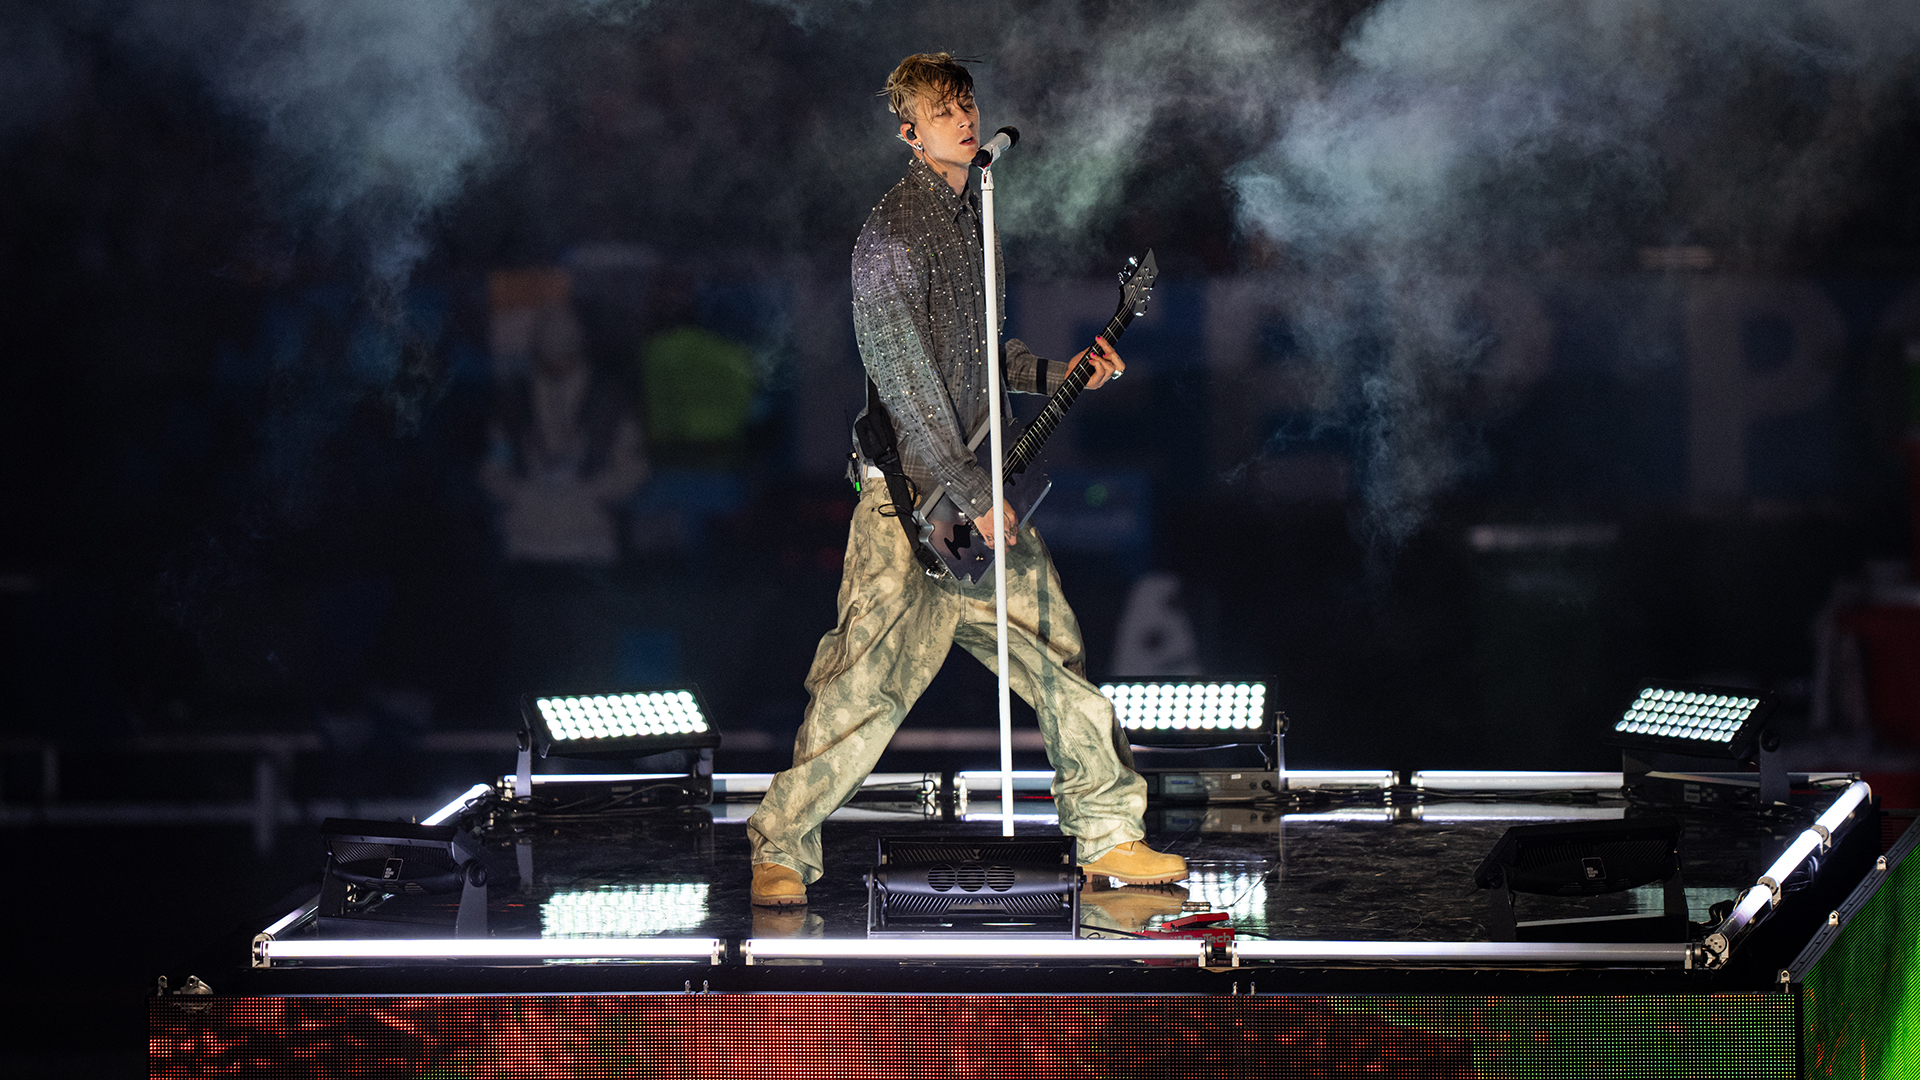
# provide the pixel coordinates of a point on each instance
(1465, 953)
(1513, 780)
(1694, 719)
(1339, 779)
(472, 796)
(1678, 739)
(267, 950)
(621, 725)
(1192, 714)
(1514, 812)
(1029, 947)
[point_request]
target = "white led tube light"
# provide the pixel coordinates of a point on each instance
(707, 949)
(1850, 800)
(740, 783)
(291, 918)
(1023, 780)
(440, 816)
(599, 778)
(1469, 780)
(1381, 814)
(1766, 894)
(1493, 811)
(1473, 952)
(1803, 845)
(1339, 778)
(957, 947)
(1719, 944)
(1042, 779)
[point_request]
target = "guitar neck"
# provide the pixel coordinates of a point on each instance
(1027, 450)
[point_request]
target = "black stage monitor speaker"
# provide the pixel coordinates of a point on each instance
(371, 862)
(936, 885)
(1586, 858)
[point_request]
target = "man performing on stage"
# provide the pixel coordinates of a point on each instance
(919, 309)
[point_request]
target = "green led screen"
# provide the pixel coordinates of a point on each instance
(1861, 1000)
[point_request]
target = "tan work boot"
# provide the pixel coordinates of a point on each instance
(777, 886)
(1137, 864)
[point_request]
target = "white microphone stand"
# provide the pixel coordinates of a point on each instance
(1000, 531)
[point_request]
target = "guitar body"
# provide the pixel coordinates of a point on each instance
(958, 544)
(944, 528)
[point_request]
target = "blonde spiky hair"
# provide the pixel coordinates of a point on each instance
(936, 77)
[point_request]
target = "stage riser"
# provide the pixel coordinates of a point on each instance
(883, 1037)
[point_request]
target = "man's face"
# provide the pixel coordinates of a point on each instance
(947, 130)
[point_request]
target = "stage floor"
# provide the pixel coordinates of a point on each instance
(1379, 864)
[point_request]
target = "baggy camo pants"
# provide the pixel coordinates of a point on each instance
(896, 627)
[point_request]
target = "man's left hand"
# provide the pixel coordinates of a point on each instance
(1106, 363)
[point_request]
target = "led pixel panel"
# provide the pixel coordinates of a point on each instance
(631, 723)
(853, 1036)
(1236, 710)
(605, 716)
(1688, 718)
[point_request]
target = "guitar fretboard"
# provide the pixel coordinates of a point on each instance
(1026, 450)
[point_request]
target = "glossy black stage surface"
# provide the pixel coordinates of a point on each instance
(1368, 865)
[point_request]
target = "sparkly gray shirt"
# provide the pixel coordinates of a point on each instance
(920, 320)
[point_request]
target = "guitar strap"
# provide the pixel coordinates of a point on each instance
(882, 451)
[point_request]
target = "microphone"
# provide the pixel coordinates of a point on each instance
(1001, 142)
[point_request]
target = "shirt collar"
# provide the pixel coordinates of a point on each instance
(953, 201)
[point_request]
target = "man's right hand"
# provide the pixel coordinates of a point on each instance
(1009, 525)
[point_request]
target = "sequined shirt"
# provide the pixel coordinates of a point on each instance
(920, 321)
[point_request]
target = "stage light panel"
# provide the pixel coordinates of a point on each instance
(1192, 713)
(624, 910)
(1689, 718)
(622, 725)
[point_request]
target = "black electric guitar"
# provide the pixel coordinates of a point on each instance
(943, 526)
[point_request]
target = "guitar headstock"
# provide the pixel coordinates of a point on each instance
(1136, 284)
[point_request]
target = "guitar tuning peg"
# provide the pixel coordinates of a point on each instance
(1133, 260)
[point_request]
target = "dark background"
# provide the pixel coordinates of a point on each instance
(246, 254)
